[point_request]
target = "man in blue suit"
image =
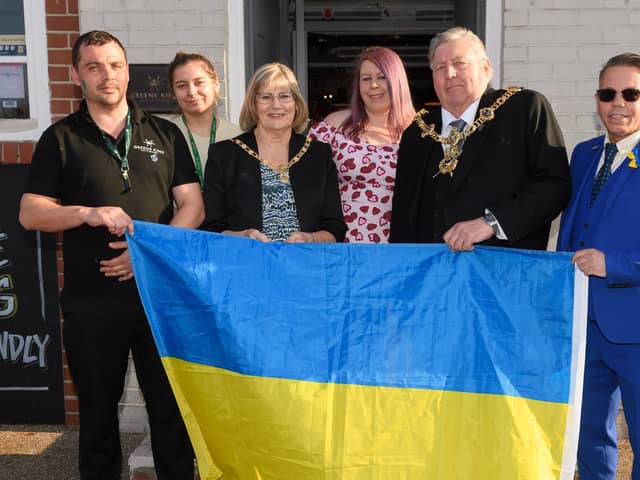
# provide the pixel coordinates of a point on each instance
(602, 225)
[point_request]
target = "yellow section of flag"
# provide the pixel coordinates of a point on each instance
(266, 428)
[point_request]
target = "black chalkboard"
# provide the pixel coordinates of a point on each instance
(31, 383)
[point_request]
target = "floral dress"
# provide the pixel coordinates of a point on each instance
(366, 176)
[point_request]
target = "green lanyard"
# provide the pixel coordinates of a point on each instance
(113, 150)
(194, 147)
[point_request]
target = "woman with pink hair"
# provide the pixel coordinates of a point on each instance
(364, 141)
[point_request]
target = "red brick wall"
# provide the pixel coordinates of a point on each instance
(62, 30)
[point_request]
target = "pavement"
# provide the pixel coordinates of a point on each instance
(50, 452)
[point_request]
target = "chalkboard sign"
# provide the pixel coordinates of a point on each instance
(31, 383)
(149, 87)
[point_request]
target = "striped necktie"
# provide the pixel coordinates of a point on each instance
(459, 124)
(603, 174)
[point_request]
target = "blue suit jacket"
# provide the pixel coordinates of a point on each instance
(611, 225)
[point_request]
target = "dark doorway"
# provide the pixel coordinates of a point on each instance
(320, 40)
(331, 58)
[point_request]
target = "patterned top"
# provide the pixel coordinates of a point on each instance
(366, 176)
(279, 215)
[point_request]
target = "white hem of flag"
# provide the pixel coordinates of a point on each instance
(580, 303)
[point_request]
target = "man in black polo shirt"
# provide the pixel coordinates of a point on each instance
(91, 174)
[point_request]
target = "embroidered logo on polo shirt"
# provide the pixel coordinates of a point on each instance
(149, 146)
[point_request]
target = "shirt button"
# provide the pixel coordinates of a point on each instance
(581, 243)
(586, 225)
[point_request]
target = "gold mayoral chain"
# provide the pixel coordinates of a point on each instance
(451, 155)
(282, 170)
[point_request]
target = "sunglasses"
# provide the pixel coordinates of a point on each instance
(608, 94)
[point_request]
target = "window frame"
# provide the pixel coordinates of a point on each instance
(37, 61)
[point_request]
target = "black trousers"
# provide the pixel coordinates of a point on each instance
(100, 327)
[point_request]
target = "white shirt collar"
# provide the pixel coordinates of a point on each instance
(627, 143)
(469, 116)
(624, 147)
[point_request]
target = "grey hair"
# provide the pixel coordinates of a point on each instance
(454, 34)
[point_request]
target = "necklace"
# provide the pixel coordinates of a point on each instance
(282, 170)
(451, 155)
(194, 146)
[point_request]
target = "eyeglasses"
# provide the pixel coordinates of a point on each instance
(268, 98)
(608, 94)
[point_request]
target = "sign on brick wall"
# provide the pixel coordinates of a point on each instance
(149, 87)
(31, 386)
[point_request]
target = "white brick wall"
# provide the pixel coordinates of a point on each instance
(153, 30)
(558, 47)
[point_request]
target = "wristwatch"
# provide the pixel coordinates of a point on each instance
(492, 221)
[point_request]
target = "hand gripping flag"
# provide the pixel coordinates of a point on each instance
(367, 362)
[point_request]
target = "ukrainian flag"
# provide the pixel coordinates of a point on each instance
(367, 362)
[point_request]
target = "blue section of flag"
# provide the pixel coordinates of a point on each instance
(491, 321)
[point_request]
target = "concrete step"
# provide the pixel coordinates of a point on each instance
(141, 462)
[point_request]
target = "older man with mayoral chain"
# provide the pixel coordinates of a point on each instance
(487, 167)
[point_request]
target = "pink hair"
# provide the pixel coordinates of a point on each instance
(401, 110)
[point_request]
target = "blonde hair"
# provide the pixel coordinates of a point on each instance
(265, 75)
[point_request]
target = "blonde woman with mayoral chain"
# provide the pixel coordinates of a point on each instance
(364, 141)
(195, 85)
(272, 183)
